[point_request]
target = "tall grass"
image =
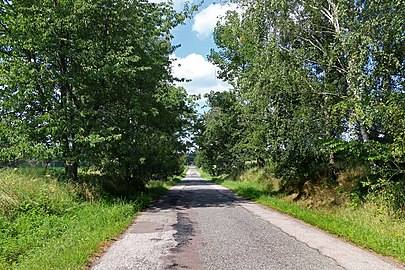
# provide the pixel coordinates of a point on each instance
(49, 224)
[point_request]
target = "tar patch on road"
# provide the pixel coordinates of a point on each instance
(185, 230)
(184, 255)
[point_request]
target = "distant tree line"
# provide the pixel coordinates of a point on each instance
(318, 88)
(90, 81)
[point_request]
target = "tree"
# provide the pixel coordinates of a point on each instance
(219, 151)
(90, 81)
(313, 80)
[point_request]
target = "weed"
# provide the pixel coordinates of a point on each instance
(46, 223)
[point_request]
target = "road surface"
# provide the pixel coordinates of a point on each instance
(200, 225)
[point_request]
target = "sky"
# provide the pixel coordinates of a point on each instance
(196, 40)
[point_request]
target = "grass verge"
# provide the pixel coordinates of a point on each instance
(367, 225)
(46, 224)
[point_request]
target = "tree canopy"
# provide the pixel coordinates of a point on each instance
(317, 84)
(90, 81)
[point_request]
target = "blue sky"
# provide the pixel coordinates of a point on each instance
(189, 41)
(196, 40)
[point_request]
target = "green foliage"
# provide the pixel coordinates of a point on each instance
(218, 151)
(91, 81)
(387, 194)
(319, 89)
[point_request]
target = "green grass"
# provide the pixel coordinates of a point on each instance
(47, 224)
(365, 225)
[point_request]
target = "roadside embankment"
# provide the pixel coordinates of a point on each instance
(366, 225)
(53, 224)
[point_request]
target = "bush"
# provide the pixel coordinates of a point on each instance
(388, 195)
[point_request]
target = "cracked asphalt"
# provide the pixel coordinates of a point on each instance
(200, 225)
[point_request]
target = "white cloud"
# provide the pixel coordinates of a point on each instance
(206, 20)
(203, 74)
(178, 4)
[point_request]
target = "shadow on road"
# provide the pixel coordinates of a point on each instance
(193, 192)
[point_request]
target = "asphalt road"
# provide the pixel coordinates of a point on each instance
(200, 225)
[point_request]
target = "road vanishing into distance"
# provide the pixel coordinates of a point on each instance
(200, 225)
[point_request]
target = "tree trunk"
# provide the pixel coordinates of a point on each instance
(261, 162)
(357, 112)
(71, 169)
